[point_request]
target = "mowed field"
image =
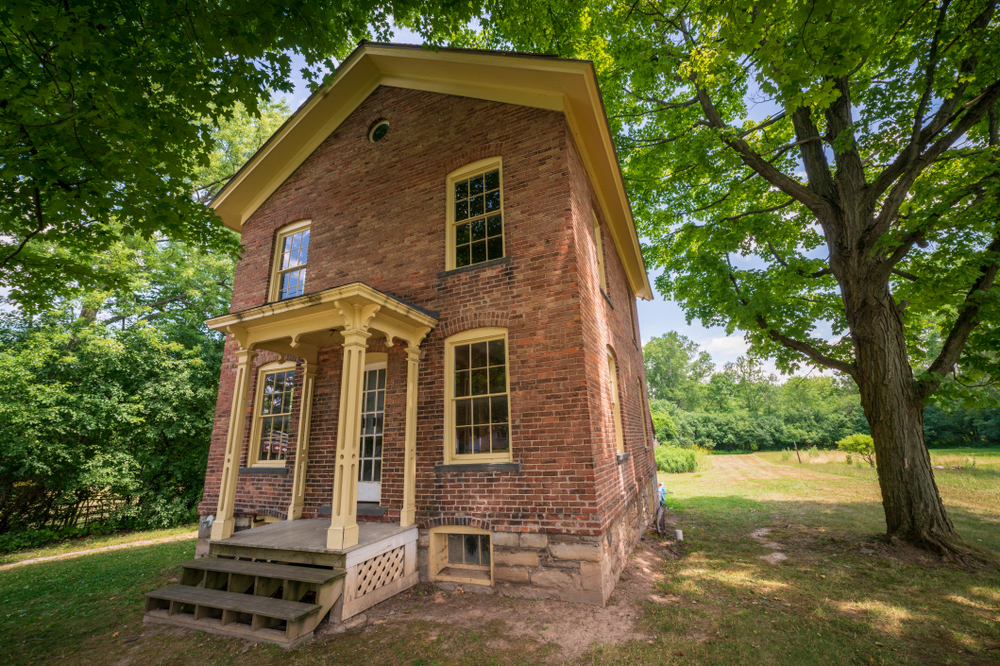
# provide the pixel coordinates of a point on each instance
(781, 563)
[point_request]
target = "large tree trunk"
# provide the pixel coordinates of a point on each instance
(913, 509)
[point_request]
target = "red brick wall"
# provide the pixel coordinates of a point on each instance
(378, 217)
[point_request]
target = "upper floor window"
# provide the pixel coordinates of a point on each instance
(616, 407)
(599, 249)
(273, 414)
(477, 396)
(475, 214)
(291, 258)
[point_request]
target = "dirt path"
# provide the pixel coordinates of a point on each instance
(572, 627)
(102, 549)
(753, 467)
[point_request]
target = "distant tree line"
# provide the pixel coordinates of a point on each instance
(741, 408)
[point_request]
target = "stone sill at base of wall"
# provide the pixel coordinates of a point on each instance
(478, 467)
(264, 470)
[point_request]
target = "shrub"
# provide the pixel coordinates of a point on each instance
(675, 460)
(785, 454)
(860, 445)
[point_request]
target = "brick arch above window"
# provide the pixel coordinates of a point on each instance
(464, 322)
(449, 521)
(471, 155)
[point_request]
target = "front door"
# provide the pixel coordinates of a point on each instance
(372, 417)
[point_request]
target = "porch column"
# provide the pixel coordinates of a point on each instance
(222, 528)
(302, 441)
(343, 532)
(407, 516)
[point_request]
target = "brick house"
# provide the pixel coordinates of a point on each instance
(432, 364)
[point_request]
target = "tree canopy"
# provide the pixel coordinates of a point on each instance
(868, 201)
(108, 109)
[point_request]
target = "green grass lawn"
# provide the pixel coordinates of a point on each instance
(87, 543)
(717, 602)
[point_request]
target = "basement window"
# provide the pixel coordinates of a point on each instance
(461, 554)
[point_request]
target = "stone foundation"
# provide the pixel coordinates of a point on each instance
(569, 567)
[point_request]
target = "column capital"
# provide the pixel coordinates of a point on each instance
(245, 355)
(413, 353)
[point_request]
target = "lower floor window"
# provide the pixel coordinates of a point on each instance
(471, 549)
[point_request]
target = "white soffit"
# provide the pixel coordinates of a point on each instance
(527, 80)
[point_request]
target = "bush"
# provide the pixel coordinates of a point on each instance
(860, 445)
(674, 460)
(785, 454)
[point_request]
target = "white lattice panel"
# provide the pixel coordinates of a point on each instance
(379, 570)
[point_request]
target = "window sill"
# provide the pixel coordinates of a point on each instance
(482, 264)
(457, 575)
(478, 467)
(607, 298)
(263, 470)
(621, 457)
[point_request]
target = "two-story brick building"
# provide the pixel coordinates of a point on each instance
(432, 366)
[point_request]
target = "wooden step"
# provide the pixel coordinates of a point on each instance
(250, 604)
(310, 575)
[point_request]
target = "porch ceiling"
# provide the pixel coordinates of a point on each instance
(301, 326)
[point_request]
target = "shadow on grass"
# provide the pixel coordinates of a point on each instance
(786, 582)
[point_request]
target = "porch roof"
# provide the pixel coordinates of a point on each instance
(300, 326)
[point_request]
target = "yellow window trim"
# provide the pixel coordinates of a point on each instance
(468, 171)
(599, 249)
(254, 445)
(279, 241)
(616, 407)
(466, 337)
(438, 541)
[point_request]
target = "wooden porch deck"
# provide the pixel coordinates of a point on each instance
(308, 535)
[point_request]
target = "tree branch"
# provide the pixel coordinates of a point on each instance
(807, 350)
(155, 304)
(967, 320)
(37, 202)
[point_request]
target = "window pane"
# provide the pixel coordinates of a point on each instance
(462, 234)
(480, 411)
(269, 383)
(498, 380)
(463, 440)
(366, 466)
(462, 357)
(461, 190)
(456, 546)
(381, 379)
(461, 210)
(286, 245)
(463, 256)
(478, 252)
(379, 422)
(494, 225)
(481, 439)
(476, 185)
(479, 354)
(484, 550)
(462, 384)
(478, 229)
(463, 412)
(296, 241)
(493, 201)
(492, 179)
(501, 438)
(498, 409)
(377, 471)
(472, 549)
(304, 248)
(380, 403)
(494, 249)
(496, 352)
(378, 446)
(479, 382)
(476, 206)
